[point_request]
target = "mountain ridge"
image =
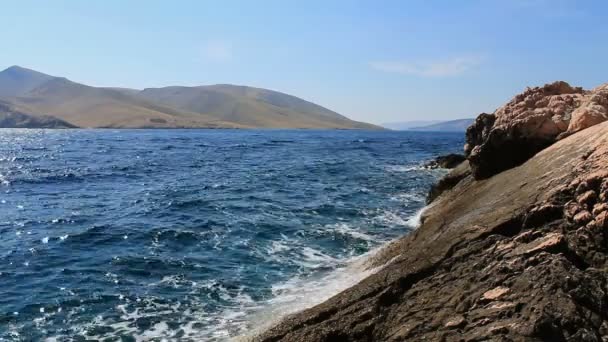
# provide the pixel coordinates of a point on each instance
(215, 106)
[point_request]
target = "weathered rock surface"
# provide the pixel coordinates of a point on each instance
(530, 122)
(449, 181)
(520, 256)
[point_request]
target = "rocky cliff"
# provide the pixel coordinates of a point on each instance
(510, 251)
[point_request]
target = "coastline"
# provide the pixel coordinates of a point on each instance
(313, 291)
(514, 253)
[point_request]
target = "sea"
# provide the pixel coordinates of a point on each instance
(195, 235)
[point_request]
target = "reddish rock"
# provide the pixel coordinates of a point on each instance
(587, 198)
(571, 209)
(548, 243)
(583, 217)
(598, 208)
(530, 122)
(593, 110)
(495, 293)
(601, 220)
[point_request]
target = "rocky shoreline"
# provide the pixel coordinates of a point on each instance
(513, 245)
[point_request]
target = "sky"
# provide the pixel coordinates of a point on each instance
(375, 61)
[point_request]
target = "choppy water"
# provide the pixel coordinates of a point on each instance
(194, 234)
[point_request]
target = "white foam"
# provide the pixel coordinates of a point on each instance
(415, 220)
(409, 197)
(391, 219)
(404, 168)
(346, 230)
(302, 292)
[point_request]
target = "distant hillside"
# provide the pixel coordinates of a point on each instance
(219, 106)
(86, 106)
(460, 125)
(12, 118)
(407, 125)
(250, 106)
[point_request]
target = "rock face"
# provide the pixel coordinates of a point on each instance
(522, 255)
(530, 122)
(449, 181)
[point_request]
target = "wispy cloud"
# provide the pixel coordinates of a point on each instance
(219, 51)
(440, 68)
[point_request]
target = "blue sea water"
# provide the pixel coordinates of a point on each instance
(194, 234)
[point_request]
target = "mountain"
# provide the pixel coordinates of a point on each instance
(16, 81)
(220, 106)
(460, 125)
(86, 106)
(250, 106)
(407, 125)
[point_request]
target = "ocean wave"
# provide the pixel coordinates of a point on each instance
(345, 230)
(301, 292)
(405, 168)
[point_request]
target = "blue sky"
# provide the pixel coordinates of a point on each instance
(377, 61)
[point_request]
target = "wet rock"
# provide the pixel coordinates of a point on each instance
(448, 161)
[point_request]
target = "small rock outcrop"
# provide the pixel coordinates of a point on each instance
(593, 110)
(448, 161)
(530, 122)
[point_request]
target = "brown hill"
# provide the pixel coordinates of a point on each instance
(221, 106)
(251, 106)
(86, 106)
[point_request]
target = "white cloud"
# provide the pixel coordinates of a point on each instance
(219, 51)
(444, 68)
